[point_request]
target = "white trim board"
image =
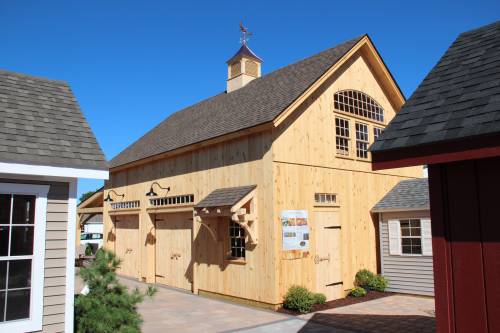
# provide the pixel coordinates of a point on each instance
(34, 323)
(45, 170)
(70, 257)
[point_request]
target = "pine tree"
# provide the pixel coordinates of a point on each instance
(108, 307)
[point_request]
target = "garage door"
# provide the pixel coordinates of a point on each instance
(173, 249)
(127, 244)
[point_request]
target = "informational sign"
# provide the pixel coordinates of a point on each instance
(295, 230)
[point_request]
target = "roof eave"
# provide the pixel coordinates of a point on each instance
(439, 152)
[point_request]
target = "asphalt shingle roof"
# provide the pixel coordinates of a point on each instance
(410, 194)
(259, 102)
(459, 98)
(41, 123)
(223, 197)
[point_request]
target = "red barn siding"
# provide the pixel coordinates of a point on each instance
(466, 228)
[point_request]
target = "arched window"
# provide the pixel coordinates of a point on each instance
(358, 103)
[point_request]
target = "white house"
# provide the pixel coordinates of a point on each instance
(45, 145)
(406, 238)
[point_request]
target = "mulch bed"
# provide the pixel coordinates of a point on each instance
(349, 300)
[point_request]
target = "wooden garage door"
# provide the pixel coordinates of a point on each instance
(328, 254)
(127, 244)
(173, 249)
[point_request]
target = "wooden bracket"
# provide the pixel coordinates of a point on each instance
(204, 224)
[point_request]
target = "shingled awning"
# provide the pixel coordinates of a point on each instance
(237, 203)
(225, 197)
(407, 195)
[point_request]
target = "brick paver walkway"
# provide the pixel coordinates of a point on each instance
(398, 313)
(171, 310)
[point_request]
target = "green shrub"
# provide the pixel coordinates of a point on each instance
(88, 250)
(357, 292)
(299, 299)
(363, 278)
(378, 283)
(108, 307)
(319, 298)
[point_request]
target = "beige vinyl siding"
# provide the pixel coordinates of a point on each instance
(406, 274)
(54, 293)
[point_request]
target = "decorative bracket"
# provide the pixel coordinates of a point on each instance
(198, 219)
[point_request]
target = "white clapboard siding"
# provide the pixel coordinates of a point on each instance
(406, 274)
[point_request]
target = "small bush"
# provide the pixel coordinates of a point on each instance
(378, 283)
(363, 278)
(299, 299)
(319, 298)
(88, 250)
(357, 292)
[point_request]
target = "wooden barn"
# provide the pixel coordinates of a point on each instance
(452, 123)
(265, 185)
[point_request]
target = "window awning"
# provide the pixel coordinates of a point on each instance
(238, 203)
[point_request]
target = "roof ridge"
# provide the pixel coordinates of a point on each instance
(28, 76)
(484, 27)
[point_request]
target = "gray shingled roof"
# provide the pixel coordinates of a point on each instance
(259, 102)
(459, 99)
(410, 194)
(41, 123)
(223, 197)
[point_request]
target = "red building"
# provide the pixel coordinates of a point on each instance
(452, 123)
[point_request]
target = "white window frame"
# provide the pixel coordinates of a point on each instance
(34, 323)
(395, 238)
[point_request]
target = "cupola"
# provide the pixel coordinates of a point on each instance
(244, 66)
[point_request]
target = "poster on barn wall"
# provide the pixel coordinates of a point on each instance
(295, 230)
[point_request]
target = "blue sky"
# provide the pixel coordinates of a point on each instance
(132, 63)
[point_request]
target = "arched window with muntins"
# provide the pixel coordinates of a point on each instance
(358, 103)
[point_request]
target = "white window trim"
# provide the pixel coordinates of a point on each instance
(70, 258)
(34, 323)
(425, 237)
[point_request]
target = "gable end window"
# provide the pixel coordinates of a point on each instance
(342, 136)
(359, 104)
(361, 140)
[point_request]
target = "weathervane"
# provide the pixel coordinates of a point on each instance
(245, 34)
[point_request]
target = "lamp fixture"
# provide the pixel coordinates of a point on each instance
(108, 198)
(152, 193)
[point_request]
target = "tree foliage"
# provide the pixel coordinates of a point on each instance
(85, 196)
(108, 307)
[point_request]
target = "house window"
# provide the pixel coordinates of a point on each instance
(411, 236)
(236, 241)
(22, 220)
(342, 136)
(359, 104)
(377, 131)
(361, 140)
(325, 199)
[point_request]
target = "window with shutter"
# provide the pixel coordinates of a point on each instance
(394, 238)
(426, 237)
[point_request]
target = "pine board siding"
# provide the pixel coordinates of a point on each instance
(55, 254)
(406, 274)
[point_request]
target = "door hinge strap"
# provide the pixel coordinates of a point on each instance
(334, 284)
(334, 227)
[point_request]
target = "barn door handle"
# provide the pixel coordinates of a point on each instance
(175, 256)
(318, 259)
(129, 250)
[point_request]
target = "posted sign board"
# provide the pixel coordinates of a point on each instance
(295, 230)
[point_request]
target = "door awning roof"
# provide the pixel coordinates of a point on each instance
(224, 197)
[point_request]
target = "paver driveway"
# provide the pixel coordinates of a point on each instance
(171, 310)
